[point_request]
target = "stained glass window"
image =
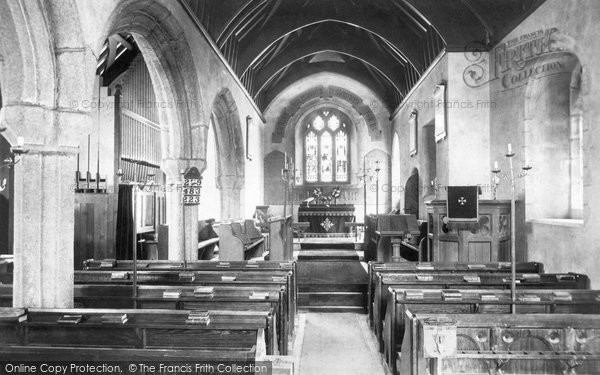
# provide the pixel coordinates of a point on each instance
(333, 123)
(318, 124)
(312, 162)
(326, 157)
(341, 157)
(326, 147)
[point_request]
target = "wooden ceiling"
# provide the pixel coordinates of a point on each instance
(385, 44)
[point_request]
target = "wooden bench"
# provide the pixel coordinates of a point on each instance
(6, 269)
(223, 277)
(146, 335)
(235, 244)
(500, 344)
(412, 267)
(208, 239)
(477, 301)
(467, 281)
(226, 298)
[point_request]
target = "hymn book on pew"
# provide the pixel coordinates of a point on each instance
(472, 278)
(224, 265)
(413, 294)
(560, 295)
(425, 266)
(488, 297)
(451, 295)
(70, 319)
(114, 318)
(204, 292)
(187, 276)
(198, 317)
(259, 295)
(108, 263)
(10, 314)
(172, 293)
(119, 276)
(228, 278)
(530, 298)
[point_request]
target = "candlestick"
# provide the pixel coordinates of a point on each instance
(510, 148)
(20, 141)
(496, 165)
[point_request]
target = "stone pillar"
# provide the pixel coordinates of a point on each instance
(44, 227)
(182, 220)
(231, 204)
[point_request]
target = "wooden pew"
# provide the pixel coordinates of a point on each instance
(501, 344)
(468, 281)
(6, 269)
(248, 277)
(147, 335)
(207, 239)
(235, 244)
(223, 298)
(478, 301)
(412, 267)
(127, 265)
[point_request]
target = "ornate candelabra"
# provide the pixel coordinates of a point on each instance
(513, 237)
(370, 174)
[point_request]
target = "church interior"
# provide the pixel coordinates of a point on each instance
(300, 187)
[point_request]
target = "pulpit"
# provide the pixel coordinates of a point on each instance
(485, 241)
(326, 219)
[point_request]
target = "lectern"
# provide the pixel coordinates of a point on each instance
(394, 229)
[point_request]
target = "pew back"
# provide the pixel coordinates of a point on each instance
(501, 343)
(469, 301)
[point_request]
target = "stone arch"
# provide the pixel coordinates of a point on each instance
(230, 149)
(287, 117)
(168, 58)
(546, 140)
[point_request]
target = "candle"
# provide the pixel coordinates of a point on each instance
(496, 165)
(20, 141)
(509, 148)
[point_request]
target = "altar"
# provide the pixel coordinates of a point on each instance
(326, 219)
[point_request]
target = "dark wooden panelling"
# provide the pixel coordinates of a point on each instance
(95, 227)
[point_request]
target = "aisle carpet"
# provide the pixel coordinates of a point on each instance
(339, 344)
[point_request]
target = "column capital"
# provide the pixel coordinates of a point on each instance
(174, 167)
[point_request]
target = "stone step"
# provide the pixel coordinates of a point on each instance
(308, 288)
(343, 309)
(354, 299)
